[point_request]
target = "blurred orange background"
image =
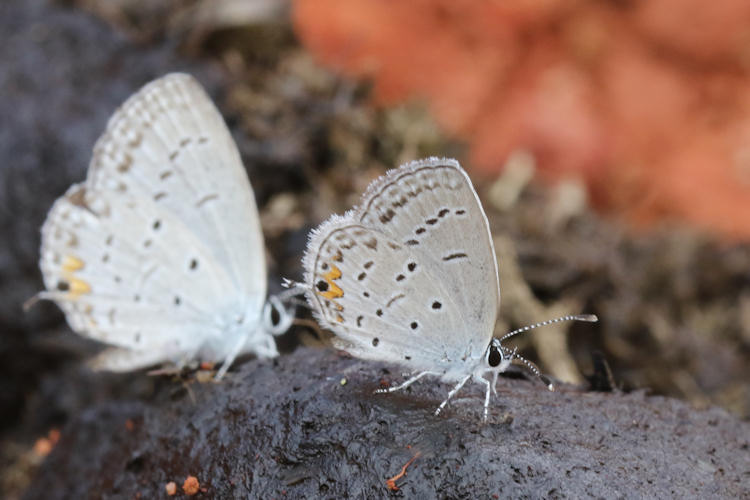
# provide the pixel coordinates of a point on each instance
(647, 101)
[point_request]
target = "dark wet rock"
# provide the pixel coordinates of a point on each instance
(291, 428)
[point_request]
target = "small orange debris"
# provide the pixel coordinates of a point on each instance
(391, 483)
(191, 486)
(44, 445)
(171, 488)
(54, 436)
(207, 365)
(129, 425)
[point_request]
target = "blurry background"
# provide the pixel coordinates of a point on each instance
(609, 142)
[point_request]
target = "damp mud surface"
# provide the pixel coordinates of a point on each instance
(309, 426)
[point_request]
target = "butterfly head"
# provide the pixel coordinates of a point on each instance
(498, 358)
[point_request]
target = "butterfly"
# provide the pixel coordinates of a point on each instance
(159, 252)
(410, 277)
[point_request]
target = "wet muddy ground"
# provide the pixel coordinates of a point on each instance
(308, 426)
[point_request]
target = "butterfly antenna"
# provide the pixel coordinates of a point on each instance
(296, 287)
(293, 289)
(534, 369)
(31, 302)
(590, 318)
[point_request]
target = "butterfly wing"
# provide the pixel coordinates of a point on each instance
(130, 274)
(169, 143)
(410, 275)
(161, 248)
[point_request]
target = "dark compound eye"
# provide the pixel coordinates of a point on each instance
(495, 357)
(275, 316)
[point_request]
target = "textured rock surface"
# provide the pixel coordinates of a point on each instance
(290, 428)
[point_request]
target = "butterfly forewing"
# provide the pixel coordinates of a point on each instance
(169, 143)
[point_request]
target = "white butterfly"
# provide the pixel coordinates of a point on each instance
(160, 253)
(410, 277)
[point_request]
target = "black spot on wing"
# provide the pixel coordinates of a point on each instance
(456, 255)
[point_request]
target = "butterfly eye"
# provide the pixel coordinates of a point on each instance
(275, 316)
(494, 357)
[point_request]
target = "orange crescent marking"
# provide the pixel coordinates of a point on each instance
(79, 287)
(333, 292)
(71, 263)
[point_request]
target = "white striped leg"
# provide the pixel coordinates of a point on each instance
(451, 394)
(406, 384)
(494, 382)
(230, 359)
(486, 396)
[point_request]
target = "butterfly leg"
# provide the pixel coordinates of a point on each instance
(486, 394)
(452, 393)
(230, 358)
(494, 382)
(407, 383)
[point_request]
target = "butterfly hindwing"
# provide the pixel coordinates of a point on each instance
(369, 290)
(122, 268)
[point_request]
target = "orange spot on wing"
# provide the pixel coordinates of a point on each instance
(71, 263)
(79, 287)
(333, 292)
